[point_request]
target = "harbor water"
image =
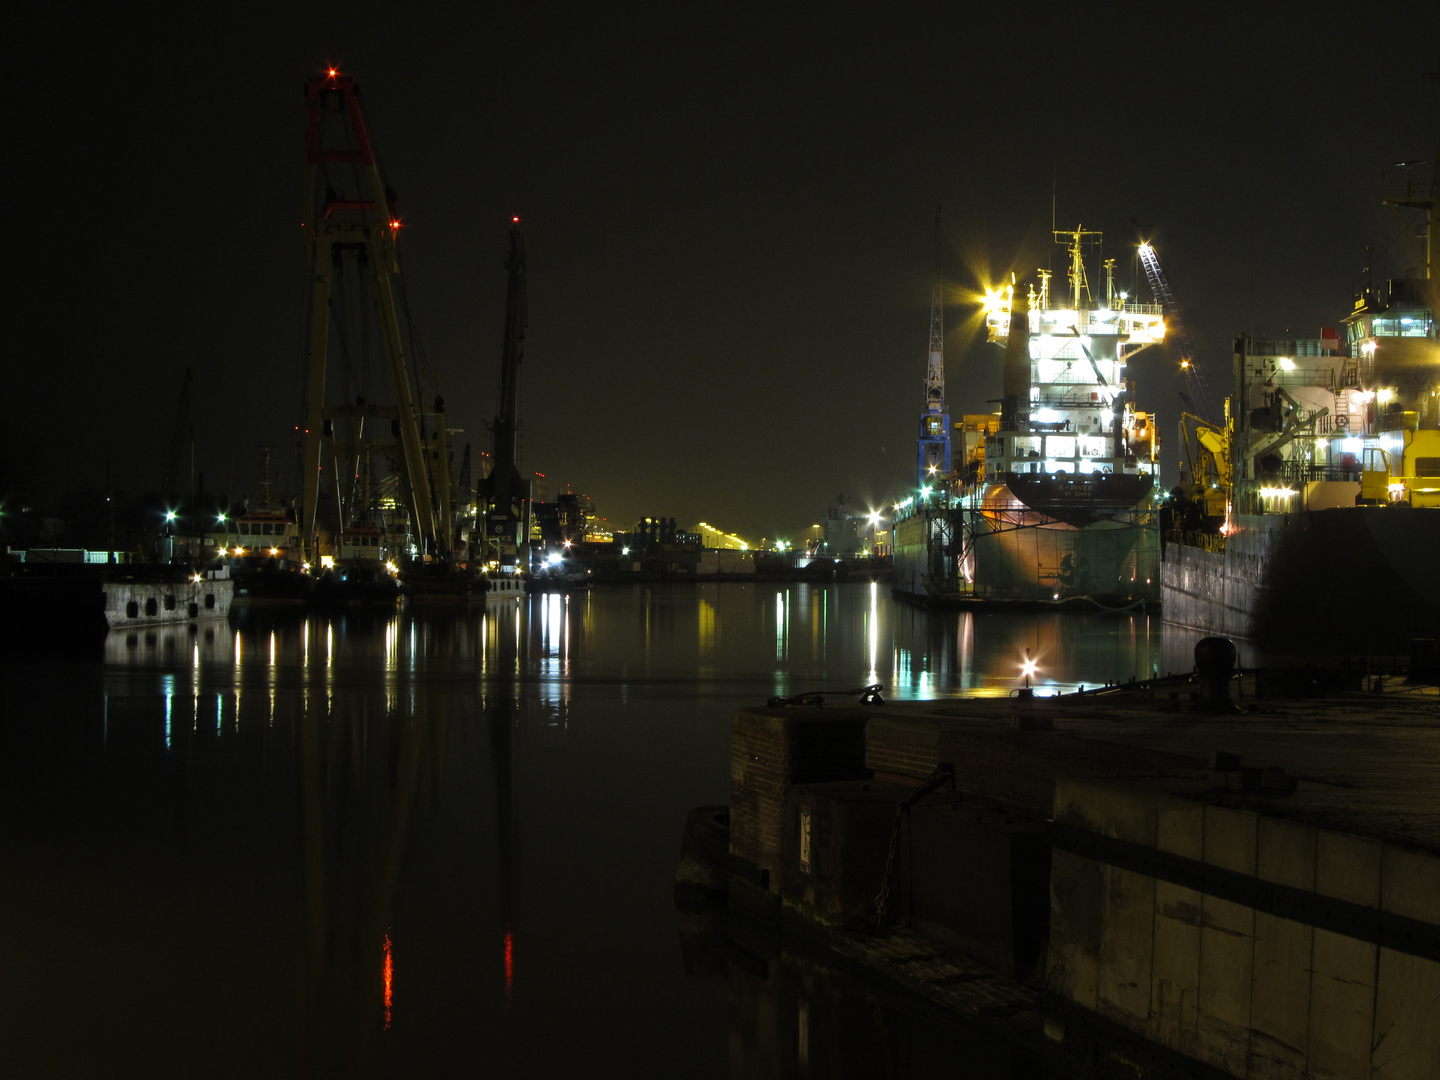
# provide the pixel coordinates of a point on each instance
(443, 844)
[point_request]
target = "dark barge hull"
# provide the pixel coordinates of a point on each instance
(1331, 581)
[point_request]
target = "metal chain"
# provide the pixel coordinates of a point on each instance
(883, 896)
(869, 695)
(943, 775)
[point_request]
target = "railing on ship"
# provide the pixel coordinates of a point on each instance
(1302, 472)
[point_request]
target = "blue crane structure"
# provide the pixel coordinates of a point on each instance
(933, 468)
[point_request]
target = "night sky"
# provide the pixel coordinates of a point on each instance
(728, 211)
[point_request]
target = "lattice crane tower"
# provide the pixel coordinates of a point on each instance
(934, 441)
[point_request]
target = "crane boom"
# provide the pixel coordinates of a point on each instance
(1175, 329)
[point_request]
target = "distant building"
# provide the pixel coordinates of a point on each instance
(711, 537)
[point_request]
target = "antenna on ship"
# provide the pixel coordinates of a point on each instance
(934, 441)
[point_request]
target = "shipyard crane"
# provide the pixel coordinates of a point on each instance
(506, 494)
(352, 226)
(934, 442)
(1175, 328)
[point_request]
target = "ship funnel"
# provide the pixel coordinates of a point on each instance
(1015, 392)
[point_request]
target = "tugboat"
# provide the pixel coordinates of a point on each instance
(1053, 499)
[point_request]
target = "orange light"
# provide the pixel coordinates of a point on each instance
(389, 979)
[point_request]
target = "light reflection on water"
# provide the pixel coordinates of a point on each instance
(410, 843)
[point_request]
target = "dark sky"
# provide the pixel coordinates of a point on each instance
(728, 212)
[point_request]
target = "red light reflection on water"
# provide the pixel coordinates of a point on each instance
(509, 964)
(389, 979)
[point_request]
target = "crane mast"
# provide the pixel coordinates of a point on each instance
(506, 493)
(934, 442)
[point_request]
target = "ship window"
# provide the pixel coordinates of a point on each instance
(1027, 445)
(1427, 466)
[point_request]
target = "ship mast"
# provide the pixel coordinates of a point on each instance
(1075, 239)
(934, 442)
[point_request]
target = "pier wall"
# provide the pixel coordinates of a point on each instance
(1265, 947)
(774, 750)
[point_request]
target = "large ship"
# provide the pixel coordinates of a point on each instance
(1053, 499)
(1310, 516)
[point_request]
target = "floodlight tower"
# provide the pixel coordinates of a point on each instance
(934, 441)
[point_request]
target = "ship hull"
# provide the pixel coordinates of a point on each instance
(1003, 552)
(1334, 581)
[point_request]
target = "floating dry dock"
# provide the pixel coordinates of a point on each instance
(1254, 894)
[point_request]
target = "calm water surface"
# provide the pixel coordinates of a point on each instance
(436, 845)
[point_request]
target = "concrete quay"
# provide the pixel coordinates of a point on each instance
(1146, 889)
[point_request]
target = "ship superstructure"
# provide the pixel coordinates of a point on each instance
(1070, 443)
(1053, 498)
(1326, 467)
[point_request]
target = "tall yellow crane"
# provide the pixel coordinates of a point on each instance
(350, 212)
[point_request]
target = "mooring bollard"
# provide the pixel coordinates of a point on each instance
(1215, 664)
